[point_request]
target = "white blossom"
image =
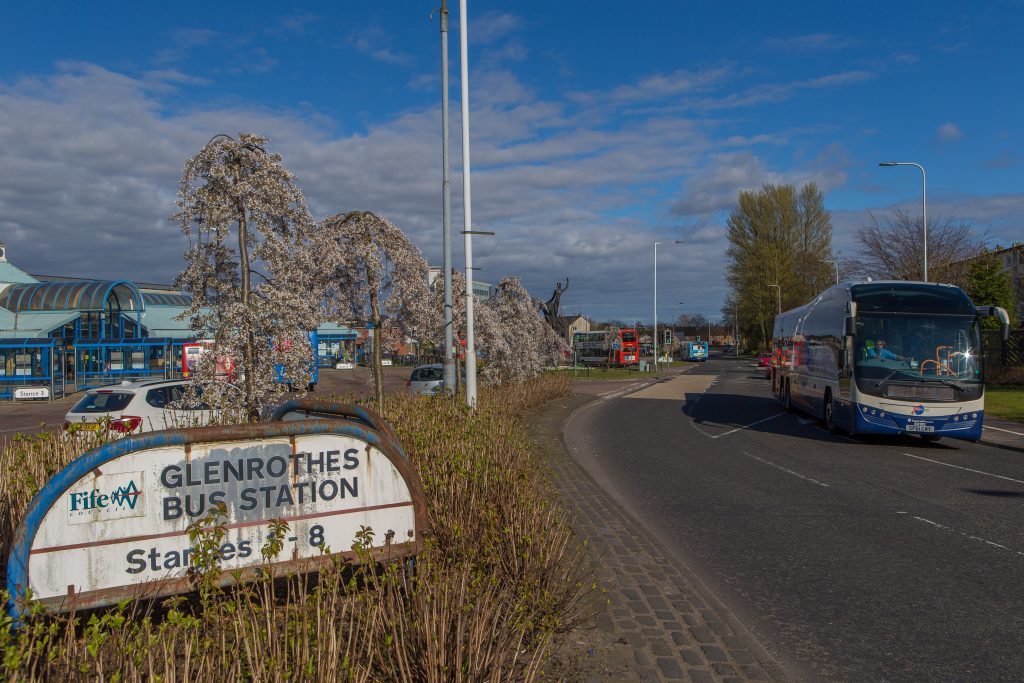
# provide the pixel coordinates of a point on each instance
(372, 271)
(251, 269)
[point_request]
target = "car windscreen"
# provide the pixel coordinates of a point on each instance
(103, 402)
(427, 375)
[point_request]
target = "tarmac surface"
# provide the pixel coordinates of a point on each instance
(657, 622)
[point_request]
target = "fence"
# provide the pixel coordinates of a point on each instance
(1004, 360)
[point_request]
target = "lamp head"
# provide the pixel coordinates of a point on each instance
(888, 163)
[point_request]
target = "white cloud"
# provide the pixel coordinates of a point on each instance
(93, 157)
(375, 43)
(949, 132)
(490, 26)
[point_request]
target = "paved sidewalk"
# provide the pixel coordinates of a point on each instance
(656, 622)
(1003, 433)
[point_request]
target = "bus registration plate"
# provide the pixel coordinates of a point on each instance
(919, 426)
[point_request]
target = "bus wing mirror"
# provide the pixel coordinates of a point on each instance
(851, 326)
(997, 312)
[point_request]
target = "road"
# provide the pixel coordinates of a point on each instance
(32, 416)
(850, 559)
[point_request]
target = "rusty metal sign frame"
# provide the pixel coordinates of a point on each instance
(356, 422)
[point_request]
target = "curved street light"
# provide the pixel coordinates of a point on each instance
(924, 206)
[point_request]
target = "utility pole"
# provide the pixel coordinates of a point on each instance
(446, 192)
(467, 210)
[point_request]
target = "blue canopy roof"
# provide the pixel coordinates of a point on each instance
(80, 295)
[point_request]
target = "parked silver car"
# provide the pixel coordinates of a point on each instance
(426, 380)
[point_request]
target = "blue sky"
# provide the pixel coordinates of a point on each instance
(597, 127)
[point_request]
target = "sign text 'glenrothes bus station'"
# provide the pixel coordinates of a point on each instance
(114, 523)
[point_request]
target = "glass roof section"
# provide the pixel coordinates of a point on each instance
(86, 295)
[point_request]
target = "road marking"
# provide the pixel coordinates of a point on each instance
(966, 535)
(966, 469)
(780, 467)
(747, 426)
(616, 393)
(1003, 430)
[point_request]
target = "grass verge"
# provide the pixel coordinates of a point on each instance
(501, 575)
(1006, 402)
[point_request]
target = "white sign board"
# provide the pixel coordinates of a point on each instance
(32, 392)
(122, 529)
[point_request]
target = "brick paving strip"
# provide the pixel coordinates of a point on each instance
(656, 622)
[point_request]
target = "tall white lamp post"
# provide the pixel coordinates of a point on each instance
(924, 206)
(656, 299)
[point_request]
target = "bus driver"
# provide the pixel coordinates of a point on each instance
(882, 353)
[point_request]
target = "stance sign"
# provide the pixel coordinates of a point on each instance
(115, 522)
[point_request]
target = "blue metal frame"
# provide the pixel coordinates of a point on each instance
(328, 360)
(85, 464)
(46, 346)
(89, 379)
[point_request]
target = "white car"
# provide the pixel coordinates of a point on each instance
(426, 380)
(134, 407)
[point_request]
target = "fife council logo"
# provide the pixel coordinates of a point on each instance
(919, 409)
(122, 498)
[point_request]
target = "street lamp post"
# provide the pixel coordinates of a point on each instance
(924, 206)
(656, 299)
(467, 211)
(834, 263)
(778, 290)
(736, 330)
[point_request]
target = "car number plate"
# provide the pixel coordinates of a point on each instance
(913, 426)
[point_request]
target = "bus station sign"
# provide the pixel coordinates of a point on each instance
(115, 522)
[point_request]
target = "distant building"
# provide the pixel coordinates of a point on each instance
(1013, 263)
(481, 290)
(574, 324)
(59, 332)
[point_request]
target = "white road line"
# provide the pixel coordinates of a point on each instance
(747, 426)
(780, 467)
(1003, 430)
(615, 394)
(966, 535)
(966, 469)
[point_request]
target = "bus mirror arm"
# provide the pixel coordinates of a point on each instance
(997, 312)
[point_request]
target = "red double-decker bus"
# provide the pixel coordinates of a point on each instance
(607, 347)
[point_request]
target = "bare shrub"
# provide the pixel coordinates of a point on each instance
(501, 574)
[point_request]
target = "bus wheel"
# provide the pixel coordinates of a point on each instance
(787, 402)
(828, 413)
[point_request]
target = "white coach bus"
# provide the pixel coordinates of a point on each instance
(887, 357)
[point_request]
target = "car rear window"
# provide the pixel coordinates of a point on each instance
(427, 375)
(105, 402)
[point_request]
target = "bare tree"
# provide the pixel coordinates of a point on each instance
(250, 268)
(372, 271)
(892, 248)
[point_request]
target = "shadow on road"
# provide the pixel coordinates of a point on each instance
(728, 411)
